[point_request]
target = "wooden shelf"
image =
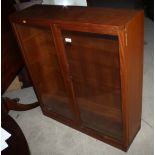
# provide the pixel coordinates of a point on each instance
(94, 82)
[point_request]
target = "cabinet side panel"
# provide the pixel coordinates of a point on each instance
(134, 64)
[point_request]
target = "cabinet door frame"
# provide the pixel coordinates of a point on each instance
(106, 30)
(100, 29)
(71, 104)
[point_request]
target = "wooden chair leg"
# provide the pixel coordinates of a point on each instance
(12, 104)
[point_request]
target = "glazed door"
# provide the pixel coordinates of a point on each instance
(94, 66)
(42, 62)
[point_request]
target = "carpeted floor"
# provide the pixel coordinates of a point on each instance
(45, 136)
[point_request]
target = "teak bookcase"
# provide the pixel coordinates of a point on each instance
(86, 65)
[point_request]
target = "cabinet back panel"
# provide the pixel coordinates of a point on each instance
(94, 66)
(40, 53)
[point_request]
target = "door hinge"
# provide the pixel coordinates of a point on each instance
(126, 37)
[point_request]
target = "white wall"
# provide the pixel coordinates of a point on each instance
(66, 2)
(48, 2)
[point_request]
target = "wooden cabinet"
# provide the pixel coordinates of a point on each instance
(86, 65)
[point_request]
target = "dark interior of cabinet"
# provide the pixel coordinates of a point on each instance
(95, 69)
(42, 61)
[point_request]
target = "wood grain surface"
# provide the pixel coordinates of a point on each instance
(92, 83)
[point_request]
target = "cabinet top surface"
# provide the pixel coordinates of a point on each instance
(78, 14)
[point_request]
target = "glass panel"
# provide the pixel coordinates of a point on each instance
(94, 65)
(40, 52)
